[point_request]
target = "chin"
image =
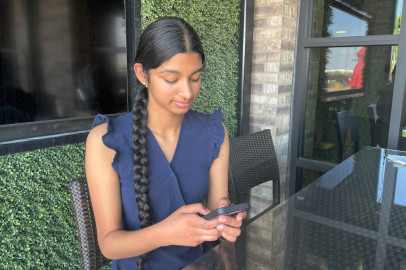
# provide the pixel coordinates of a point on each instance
(180, 110)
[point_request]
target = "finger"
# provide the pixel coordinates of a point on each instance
(213, 223)
(235, 231)
(194, 208)
(240, 216)
(230, 220)
(204, 211)
(224, 202)
(232, 237)
(210, 235)
(209, 224)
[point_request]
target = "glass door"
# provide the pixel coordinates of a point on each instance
(349, 83)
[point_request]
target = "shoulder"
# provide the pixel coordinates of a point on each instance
(225, 131)
(107, 132)
(122, 124)
(97, 133)
(94, 141)
(96, 149)
(116, 126)
(208, 127)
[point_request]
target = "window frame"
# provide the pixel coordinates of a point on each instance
(245, 48)
(29, 136)
(299, 95)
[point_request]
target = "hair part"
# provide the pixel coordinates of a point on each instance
(160, 41)
(163, 39)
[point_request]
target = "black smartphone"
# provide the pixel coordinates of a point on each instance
(228, 210)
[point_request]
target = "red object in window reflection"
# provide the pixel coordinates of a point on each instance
(356, 79)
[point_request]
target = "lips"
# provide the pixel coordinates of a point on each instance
(182, 104)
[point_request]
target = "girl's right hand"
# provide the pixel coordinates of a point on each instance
(185, 228)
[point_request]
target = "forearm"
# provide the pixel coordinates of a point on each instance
(121, 244)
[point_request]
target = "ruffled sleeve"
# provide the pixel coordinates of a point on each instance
(216, 118)
(109, 139)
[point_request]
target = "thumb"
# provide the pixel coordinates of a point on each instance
(224, 202)
(194, 208)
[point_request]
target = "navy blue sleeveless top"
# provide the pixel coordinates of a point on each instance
(185, 180)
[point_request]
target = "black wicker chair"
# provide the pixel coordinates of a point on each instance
(92, 258)
(253, 161)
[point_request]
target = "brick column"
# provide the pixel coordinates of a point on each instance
(272, 73)
(265, 248)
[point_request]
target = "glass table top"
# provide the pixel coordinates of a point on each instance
(353, 217)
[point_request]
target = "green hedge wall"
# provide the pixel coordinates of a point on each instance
(217, 22)
(37, 225)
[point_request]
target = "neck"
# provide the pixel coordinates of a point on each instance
(164, 123)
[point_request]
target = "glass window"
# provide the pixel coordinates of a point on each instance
(61, 59)
(340, 18)
(306, 177)
(349, 100)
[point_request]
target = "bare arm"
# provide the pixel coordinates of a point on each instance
(218, 185)
(218, 193)
(183, 227)
(104, 188)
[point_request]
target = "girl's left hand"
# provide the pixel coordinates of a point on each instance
(230, 226)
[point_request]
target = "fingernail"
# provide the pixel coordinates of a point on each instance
(222, 205)
(220, 227)
(222, 219)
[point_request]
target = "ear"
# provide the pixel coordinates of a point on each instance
(141, 75)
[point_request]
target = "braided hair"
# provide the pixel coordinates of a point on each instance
(160, 41)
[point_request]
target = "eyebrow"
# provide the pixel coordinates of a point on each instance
(177, 72)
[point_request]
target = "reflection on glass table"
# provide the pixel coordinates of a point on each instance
(352, 217)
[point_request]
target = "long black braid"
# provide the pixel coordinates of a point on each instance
(160, 41)
(140, 157)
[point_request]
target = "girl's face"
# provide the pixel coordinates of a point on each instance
(175, 84)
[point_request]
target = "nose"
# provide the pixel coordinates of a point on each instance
(185, 90)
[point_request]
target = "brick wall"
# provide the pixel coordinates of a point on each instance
(272, 73)
(266, 250)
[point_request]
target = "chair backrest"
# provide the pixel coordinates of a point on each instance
(92, 258)
(347, 124)
(253, 161)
